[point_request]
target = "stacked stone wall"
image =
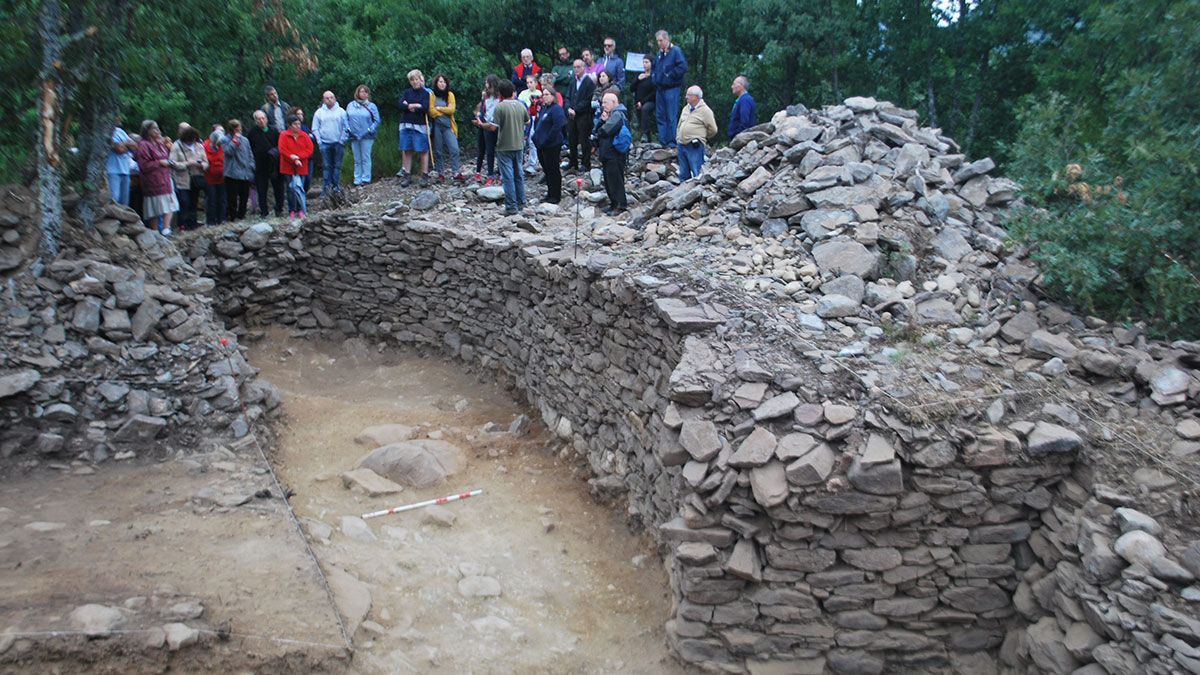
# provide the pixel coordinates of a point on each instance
(803, 522)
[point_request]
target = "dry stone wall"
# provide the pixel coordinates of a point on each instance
(804, 523)
(113, 351)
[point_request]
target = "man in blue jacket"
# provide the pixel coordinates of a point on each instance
(612, 63)
(669, 69)
(547, 138)
(744, 114)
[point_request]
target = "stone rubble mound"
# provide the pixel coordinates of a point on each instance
(115, 348)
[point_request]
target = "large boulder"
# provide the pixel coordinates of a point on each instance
(420, 464)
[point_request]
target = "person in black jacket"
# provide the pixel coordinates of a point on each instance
(546, 138)
(264, 143)
(579, 118)
(643, 95)
(612, 118)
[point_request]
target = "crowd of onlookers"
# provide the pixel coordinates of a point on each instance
(523, 124)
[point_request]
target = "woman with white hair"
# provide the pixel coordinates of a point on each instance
(415, 103)
(158, 190)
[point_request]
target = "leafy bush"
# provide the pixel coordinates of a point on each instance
(1124, 247)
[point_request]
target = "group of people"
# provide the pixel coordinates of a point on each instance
(522, 123)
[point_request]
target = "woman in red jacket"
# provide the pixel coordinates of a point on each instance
(295, 147)
(158, 190)
(214, 178)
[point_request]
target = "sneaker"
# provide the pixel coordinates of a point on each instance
(424, 180)
(511, 212)
(406, 181)
(478, 177)
(400, 173)
(441, 178)
(291, 215)
(300, 215)
(488, 182)
(166, 232)
(460, 176)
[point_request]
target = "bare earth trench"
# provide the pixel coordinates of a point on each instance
(580, 593)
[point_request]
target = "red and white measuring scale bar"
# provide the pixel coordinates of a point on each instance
(419, 505)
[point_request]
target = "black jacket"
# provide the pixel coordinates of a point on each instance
(261, 142)
(580, 99)
(644, 90)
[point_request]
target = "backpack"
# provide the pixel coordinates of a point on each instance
(623, 140)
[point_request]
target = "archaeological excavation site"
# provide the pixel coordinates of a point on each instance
(808, 413)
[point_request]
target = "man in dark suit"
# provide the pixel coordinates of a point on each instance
(579, 118)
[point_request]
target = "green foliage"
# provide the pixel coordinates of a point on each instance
(1110, 85)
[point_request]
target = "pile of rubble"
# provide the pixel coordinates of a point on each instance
(114, 349)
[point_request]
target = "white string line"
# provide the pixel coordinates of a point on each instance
(337, 613)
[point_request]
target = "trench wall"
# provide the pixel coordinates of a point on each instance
(806, 530)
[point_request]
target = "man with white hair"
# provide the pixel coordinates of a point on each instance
(669, 69)
(696, 126)
(332, 129)
(524, 69)
(744, 114)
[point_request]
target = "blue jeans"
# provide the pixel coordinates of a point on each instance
(445, 150)
(691, 160)
(331, 155)
(666, 113)
(512, 177)
(118, 186)
(297, 198)
(362, 159)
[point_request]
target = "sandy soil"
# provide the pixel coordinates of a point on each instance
(580, 592)
(133, 536)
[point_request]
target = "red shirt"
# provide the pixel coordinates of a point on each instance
(216, 163)
(292, 143)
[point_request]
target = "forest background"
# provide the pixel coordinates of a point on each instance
(1093, 105)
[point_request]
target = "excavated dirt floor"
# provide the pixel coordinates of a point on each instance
(580, 592)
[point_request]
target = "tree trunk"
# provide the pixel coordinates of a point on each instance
(49, 112)
(981, 83)
(931, 102)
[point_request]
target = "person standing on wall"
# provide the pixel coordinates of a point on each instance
(331, 129)
(239, 170)
(119, 163)
(669, 68)
(274, 109)
(579, 119)
(524, 69)
(744, 114)
(611, 63)
(362, 118)
(643, 96)
(264, 141)
(444, 130)
(216, 199)
(547, 138)
(563, 70)
(295, 148)
(153, 157)
(414, 129)
(696, 126)
(612, 156)
(510, 120)
(189, 162)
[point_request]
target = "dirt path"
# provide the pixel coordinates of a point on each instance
(579, 592)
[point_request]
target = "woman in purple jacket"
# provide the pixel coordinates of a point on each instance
(158, 190)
